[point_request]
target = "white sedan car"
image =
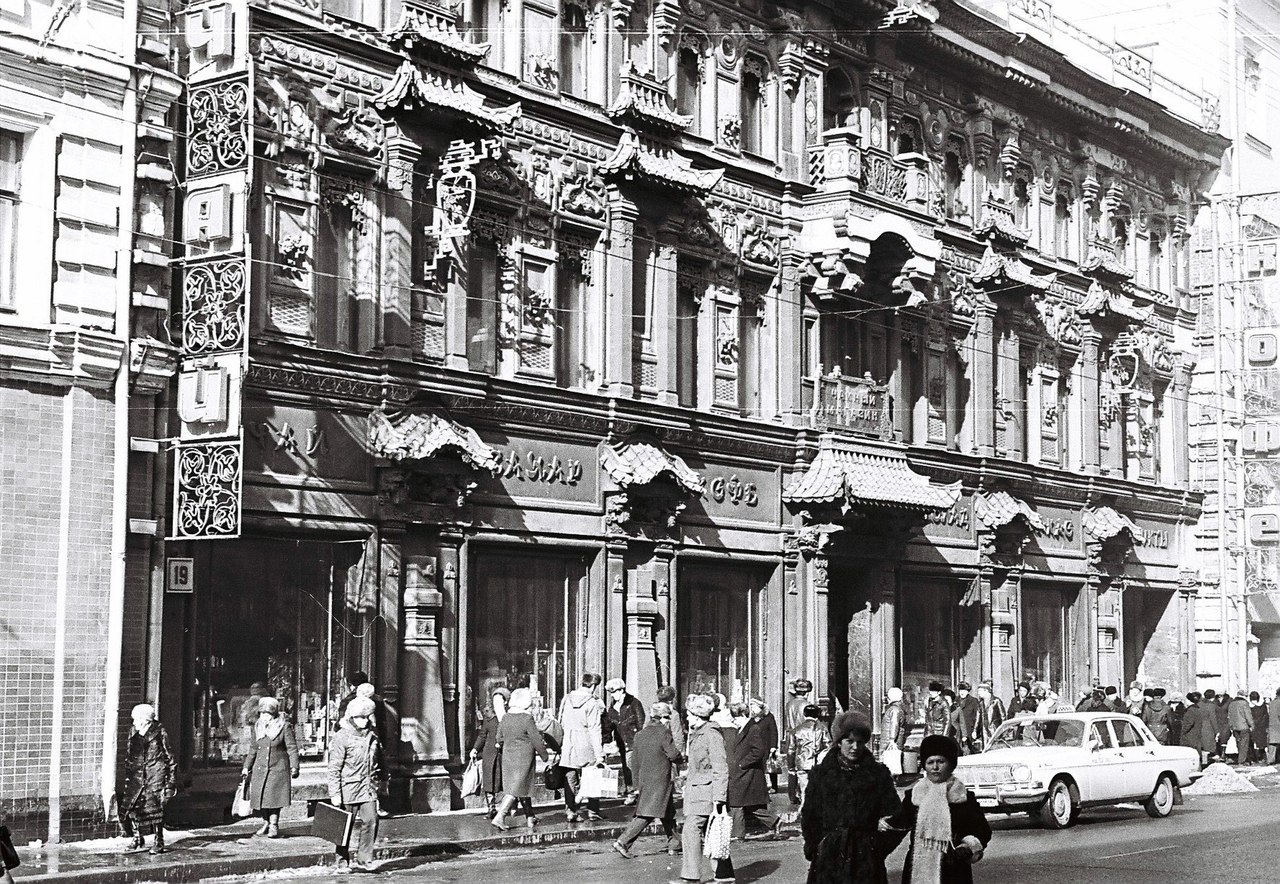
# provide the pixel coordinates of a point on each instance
(1053, 765)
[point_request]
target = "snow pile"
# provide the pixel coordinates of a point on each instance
(1219, 779)
(1253, 772)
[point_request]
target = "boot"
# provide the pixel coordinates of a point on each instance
(499, 820)
(136, 844)
(157, 846)
(490, 809)
(263, 829)
(273, 826)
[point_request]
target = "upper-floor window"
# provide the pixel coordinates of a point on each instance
(10, 178)
(690, 289)
(752, 116)
(953, 185)
(482, 306)
(573, 49)
(689, 83)
(1063, 226)
(369, 12)
(839, 100)
(575, 339)
(1022, 196)
(637, 36)
(337, 276)
(482, 21)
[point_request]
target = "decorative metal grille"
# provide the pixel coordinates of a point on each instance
(535, 356)
(291, 311)
(218, 134)
(207, 479)
(213, 307)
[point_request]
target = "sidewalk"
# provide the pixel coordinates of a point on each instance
(229, 850)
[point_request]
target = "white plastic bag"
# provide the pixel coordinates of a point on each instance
(471, 779)
(241, 806)
(715, 844)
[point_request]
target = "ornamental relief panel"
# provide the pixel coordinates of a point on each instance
(218, 133)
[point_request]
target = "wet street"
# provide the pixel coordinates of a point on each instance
(1220, 838)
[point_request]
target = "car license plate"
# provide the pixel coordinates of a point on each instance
(987, 802)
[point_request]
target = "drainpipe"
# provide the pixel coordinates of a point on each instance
(120, 441)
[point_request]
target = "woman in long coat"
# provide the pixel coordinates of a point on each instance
(1199, 728)
(706, 786)
(519, 741)
(949, 831)
(748, 783)
(485, 747)
(271, 762)
(849, 793)
(655, 758)
(151, 771)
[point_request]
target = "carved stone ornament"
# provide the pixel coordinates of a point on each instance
(218, 128)
(208, 478)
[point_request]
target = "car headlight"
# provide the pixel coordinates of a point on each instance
(1021, 773)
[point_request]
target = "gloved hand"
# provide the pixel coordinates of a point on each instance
(721, 807)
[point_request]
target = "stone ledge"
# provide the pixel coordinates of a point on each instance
(62, 355)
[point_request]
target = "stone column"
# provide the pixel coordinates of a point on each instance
(665, 321)
(982, 372)
(788, 311)
(613, 624)
(667, 643)
(794, 662)
(1177, 472)
(450, 666)
(1087, 371)
(816, 659)
(1186, 602)
(398, 272)
(619, 302)
(641, 620)
(1004, 631)
(422, 701)
(883, 593)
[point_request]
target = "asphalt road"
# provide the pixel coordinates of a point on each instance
(1227, 839)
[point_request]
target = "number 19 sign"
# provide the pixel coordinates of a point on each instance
(181, 575)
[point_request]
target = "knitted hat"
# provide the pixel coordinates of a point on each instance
(937, 686)
(360, 707)
(937, 744)
(851, 724)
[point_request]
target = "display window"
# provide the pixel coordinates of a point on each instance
(1044, 633)
(718, 630)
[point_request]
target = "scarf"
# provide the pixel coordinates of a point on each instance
(933, 827)
(270, 728)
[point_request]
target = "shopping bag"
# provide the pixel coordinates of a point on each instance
(715, 844)
(333, 824)
(471, 779)
(8, 854)
(241, 806)
(599, 782)
(1230, 748)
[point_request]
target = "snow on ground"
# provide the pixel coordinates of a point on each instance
(1219, 779)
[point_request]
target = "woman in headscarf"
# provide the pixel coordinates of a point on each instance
(849, 793)
(354, 771)
(518, 740)
(151, 771)
(949, 832)
(271, 762)
(485, 748)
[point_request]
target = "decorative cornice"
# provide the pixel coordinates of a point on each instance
(63, 355)
(658, 166)
(645, 104)
(436, 32)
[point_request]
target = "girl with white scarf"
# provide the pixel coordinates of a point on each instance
(949, 832)
(272, 760)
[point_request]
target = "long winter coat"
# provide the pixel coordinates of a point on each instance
(842, 808)
(580, 716)
(748, 785)
(1198, 728)
(486, 746)
(623, 722)
(653, 765)
(966, 819)
(937, 717)
(1259, 714)
(270, 763)
(519, 740)
(1155, 715)
(354, 766)
(1273, 722)
(1239, 718)
(706, 781)
(150, 776)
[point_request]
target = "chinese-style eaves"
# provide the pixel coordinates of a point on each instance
(850, 477)
(435, 32)
(659, 167)
(635, 462)
(416, 88)
(419, 437)
(645, 104)
(997, 509)
(1104, 523)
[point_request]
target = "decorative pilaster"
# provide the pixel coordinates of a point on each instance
(619, 300)
(1087, 370)
(883, 593)
(398, 276)
(1108, 607)
(665, 322)
(1005, 595)
(422, 703)
(984, 379)
(641, 622)
(606, 647)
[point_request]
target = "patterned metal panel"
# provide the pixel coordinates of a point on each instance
(218, 128)
(207, 486)
(213, 307)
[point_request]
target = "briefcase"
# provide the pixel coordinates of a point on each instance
(333, 824)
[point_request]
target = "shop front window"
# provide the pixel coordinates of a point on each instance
(526, 616)
(928, 618)
(717, 626)
(1044, 637)
(274, 618)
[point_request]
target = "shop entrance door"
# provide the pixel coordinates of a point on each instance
(717, 630)
(1045, 638)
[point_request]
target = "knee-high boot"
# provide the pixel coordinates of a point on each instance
(490, 805)
(504, 808)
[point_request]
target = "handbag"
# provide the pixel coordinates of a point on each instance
(553, 777)
(241, 806)
(715, 843)
(471, 779)
(8, 853)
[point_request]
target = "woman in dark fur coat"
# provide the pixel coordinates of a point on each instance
(948, 829)
(150, 778)
(849, 792)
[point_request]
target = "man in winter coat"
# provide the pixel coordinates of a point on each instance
(807, 743)
(968, 712)
(624, 716)
(1220, 722)
(1112, 696)
(667, 694)
(1258, 710)
(757, 709)
(1155, 715)
(1240, 723)
(893, 732)
(1022, 704)
(1198, 729)
(936, 714)
(655, 756)
(748, 786)
(581, 715)
(1273, 730)
(993, 712)
(353, 776)
(792, 718)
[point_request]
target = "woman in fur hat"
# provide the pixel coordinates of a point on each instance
(151, 771)
(272, 761)
(485, 748)
(948, 830)
(849, 792)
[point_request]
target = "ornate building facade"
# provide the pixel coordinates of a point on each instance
(85, 207)
(694, 343)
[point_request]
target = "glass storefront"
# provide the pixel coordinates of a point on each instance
(277, 618)
(1045, 630)
(717, 629)
(526, 618)
(939, 640)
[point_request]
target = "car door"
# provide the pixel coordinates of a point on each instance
(1106, 765)
(1140, 761)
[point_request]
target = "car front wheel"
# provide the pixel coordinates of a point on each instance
(1160, 804)
(1061, 807)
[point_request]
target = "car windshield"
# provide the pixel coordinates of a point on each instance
(1039, 732)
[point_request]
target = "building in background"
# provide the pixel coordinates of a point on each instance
(85, 203)
(695, 345)
(1236, 390)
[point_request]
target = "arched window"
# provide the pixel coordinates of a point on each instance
(839, 100)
